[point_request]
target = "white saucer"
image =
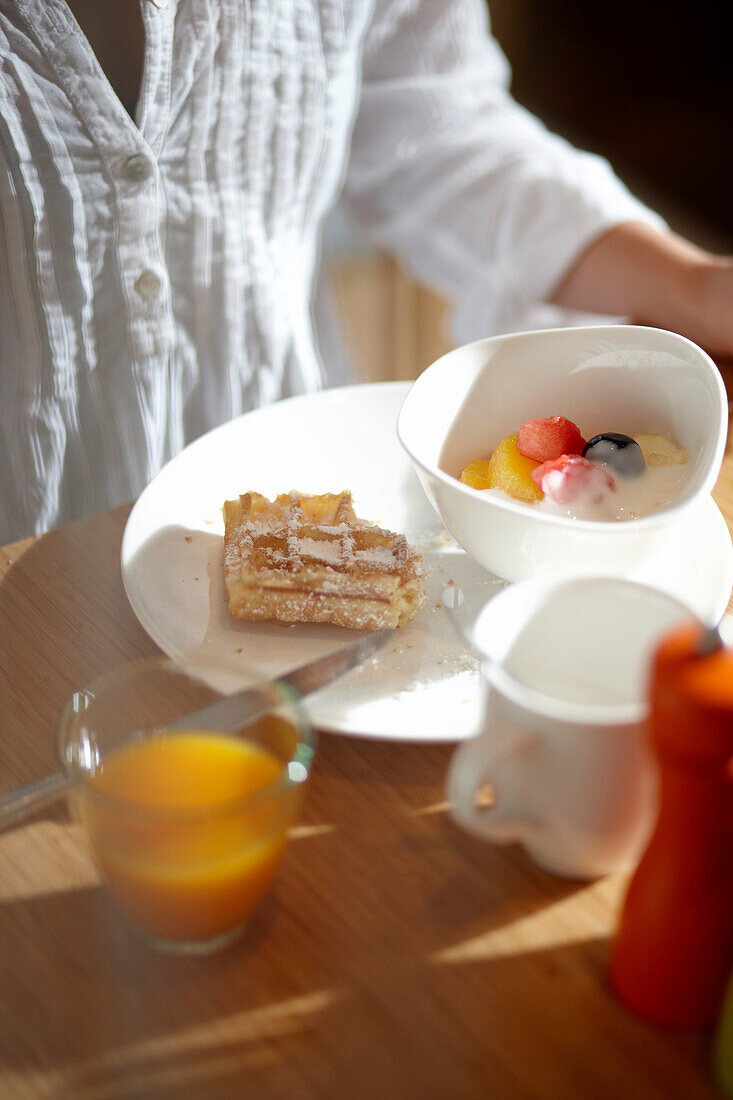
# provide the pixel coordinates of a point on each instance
(424, 686)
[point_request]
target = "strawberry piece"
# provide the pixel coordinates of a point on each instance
(569, 477)
(548, 438)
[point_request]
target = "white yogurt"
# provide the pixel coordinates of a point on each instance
(631, 498)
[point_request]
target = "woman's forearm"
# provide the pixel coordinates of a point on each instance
(654, 278)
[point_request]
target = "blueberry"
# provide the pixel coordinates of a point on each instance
(620, 453)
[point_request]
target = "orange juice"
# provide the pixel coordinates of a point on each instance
(188, 829)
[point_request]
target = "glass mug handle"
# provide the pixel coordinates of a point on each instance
(477, 763)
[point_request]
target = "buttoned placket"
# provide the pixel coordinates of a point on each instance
(140, 194)
(129, 154)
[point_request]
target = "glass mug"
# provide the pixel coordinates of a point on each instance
(563, 750)
(187, 825)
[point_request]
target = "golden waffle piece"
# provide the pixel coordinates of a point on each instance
(306, 558)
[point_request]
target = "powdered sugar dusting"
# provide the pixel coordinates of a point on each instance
(304, 558)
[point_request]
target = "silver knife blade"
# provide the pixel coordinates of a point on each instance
(233, 711)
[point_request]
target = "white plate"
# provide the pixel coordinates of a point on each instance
(425, 685)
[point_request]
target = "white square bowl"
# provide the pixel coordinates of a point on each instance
(622, 378)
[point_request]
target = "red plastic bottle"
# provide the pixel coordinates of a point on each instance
(674, 947)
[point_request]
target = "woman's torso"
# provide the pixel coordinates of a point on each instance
(155, 272)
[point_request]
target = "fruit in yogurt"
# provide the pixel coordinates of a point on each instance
(619, 452)
(572, 479)
(615, 478)
(512, 471)
(661, 450)
(549, 437)
(476, 474)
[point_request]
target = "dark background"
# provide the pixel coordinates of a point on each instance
(647, 85)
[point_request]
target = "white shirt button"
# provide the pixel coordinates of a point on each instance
(148, 285)
(138, 167)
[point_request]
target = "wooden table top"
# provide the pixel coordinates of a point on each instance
(398, 957)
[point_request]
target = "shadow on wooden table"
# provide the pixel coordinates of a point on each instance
(238, 1030)
(343, 913)
(428, 981)
(59, 578)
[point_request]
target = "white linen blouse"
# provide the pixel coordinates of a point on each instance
(156, 274)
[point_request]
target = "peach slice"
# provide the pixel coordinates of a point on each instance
(512, 471)
(476, 474)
